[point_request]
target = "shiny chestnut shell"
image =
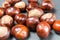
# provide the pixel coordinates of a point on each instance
(35, 12)
(32, 22)
(4, 33)
(6, 20)
(47, 5)
(33, 1)
(31, 6)
(49, 18)
(20, 31)
(20, 18)
(56, 26)
(2, 11)
(12, 11)
(6, 4)
(43, 29)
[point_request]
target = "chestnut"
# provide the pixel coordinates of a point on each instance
(32, 22)
(4, 33)
(21, 5)
(31, 6)
(12, 11)
(33, 1)
(6, 4)
(47, 5)
(6, 21)
(35, 12)
(2, 11)
(9, 1)
(20, 18)
(56, 26)
(20, 31)
(43, 29)
(49, 18)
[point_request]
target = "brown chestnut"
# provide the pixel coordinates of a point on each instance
(21, 5)
(43, 29)
(31, 6)
(6, 21)
(12, 11)
(56, 26)
(33, 1)
(20, 31)
(20, 18)
(32, 22)
(35, 12)
(47, 5)
(6, 4)
(4, 33)
(2, 11)
(48, 17)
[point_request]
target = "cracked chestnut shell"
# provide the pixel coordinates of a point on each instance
(33, 1)
(4, 33)
(12, 11)
(35, 12)
(20, 18)
(47, 5)
(32, 22)
(31, 6)
(56, 26)
(43, 29)
(2, 11)
(6, 21)
(20, 31)
(49, 18)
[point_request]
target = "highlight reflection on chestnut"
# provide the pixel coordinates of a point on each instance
(32, 22)
(56, 26)
(20, 31)
(2, 11)
(6, 21)
(20, 18)
(4, 33)
(49, 18)
(12, 11)
(43, 29)
(31, 6)
(47, 5)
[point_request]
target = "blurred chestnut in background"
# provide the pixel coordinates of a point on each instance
(2, 11)
(32, 22)
(20, 31)
(31, 6)
(43, 29)
(33, 1)
(48, 17)
(12, 11)
(6, 21)
(35, 12)
(9, 1)
(56, 26)
(4, 33)
(47, 5)
(21, 5)
(6, 4)
(20, 18)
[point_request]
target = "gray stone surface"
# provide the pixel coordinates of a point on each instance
(53, 35)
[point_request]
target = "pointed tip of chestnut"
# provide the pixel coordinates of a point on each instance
(33, 1)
